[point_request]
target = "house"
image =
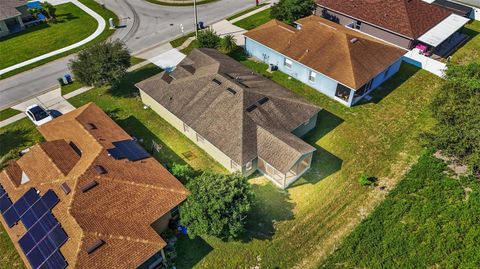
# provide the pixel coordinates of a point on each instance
(339, 62)
(12, 15)
(467, 8)
(88, 197)
(243, 120)
(405, 23)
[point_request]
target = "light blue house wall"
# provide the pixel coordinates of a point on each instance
(323, 83)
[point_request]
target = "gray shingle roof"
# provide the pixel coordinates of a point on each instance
(8, 8)
(212, 93)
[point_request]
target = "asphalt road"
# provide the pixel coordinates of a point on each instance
(146, 26)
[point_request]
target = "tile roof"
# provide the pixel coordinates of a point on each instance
(219, 113)
(8, 8)
(120, 210)
(411, 18)
(338, 52)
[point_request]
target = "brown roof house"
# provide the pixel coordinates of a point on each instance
(404, 23)
(88, 197)
(339, 62)
(244, 121)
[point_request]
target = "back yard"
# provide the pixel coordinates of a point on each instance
(73, 25)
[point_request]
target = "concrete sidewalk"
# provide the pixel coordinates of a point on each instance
(98, 31)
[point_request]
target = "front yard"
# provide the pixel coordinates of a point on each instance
(73, 25)
(470, 52)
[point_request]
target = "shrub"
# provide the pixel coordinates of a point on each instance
(101, 64)
(208, 39)
(228, 44)
(365, 180)
(218, 205)
(183, 172)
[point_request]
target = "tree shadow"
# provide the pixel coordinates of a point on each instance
(60, 18)
(25, 31)
(324, 163)
(191, 251)
(126, 87)
(405, 72)
(271, 205)
(166, 156)
(12, 137)
(238, 54)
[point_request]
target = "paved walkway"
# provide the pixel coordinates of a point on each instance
(246, 15)
(98, 31)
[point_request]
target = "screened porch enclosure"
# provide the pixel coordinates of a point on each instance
(285, 179)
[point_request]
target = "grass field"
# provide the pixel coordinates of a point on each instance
(254, 20)
(92, 4)
(430, 220)
(73, 25)
(7, 113)
(471, 51)
(245, 11)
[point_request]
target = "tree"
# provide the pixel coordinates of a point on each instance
(456, 109)
(50, 9)
(208, 39)
(218, 205)
(228, 43)
(184, 172)
(101, 64)
(289, 11)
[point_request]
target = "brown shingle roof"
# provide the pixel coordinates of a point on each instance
(120, 210)
(345, 55)
(8, 8)
(219, 112)
(411, 18)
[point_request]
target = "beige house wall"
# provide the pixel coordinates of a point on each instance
(161, 224)
(213, 151)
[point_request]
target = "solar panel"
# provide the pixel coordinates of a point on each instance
(37, 232)
(26, 242)
(50, 199)
(2, 191)
(116, 154)
(35, 257)
(46, 247)
(48, 222)
(11, 216)
(55, 261)
(21, 206)
(39, 209)
(5, 203)
(31, 196)
(29, 219)
(57, 236)
(131, 149)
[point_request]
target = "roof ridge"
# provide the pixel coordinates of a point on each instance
(124, 238)
(409, 19)
(144, 185)
(349, 44)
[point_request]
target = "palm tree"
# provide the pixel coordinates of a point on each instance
(228, 43)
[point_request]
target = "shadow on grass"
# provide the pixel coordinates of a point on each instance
(11, 138)
(127, 88)
(166, 156)
(25, 31)
(65, 17)
(271, 205)
(406, 72)
(191, 251)
(324, 163)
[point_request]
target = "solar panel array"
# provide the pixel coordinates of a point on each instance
(44, 237)
(128, 149)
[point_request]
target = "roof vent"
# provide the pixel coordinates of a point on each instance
(251, 108)
(95, 245)
(167, 77)
(65, 188)
(90, 185)
(353, 40)
(216, 81)
(230, 76)
(100, 169)
(263, 100)
(231, 91)
(91, 126)
(243, 84)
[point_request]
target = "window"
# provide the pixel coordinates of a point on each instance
(186, 128)
(249, 166)
(312, 76)
(288, 63)
(75, 148)
(342, 92)
(200, 139)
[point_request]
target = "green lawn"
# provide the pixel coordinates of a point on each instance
(127, 110)
(71, 87)
(430, 220)
(92, 4)
(470, 52)
(73, 25)
(179, 41)
(7, 113)
(245, 11)
(254, 20)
